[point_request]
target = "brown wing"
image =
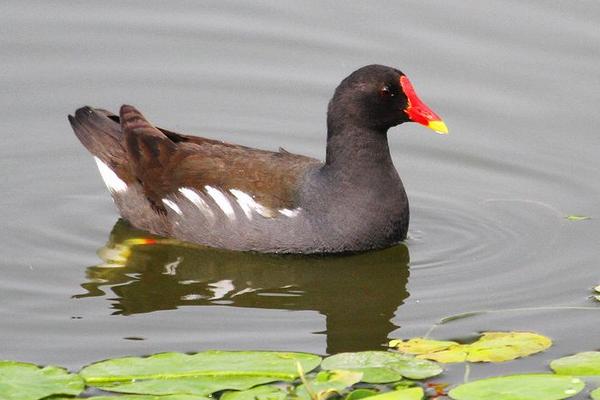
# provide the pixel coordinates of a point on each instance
(165, 161)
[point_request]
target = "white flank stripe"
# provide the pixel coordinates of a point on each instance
(248, 204)
(195, 198)
(111, 180)
(172, 206)
(245, 201)
(290, 213)
(221, 201)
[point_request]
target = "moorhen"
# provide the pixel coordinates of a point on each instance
(235, 197)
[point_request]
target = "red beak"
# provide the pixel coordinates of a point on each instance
(418, 111)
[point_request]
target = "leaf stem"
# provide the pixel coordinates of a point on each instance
(475, 313)
(467, 372)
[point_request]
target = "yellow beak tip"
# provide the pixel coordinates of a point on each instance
(438, 126)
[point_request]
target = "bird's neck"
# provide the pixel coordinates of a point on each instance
(357, 152)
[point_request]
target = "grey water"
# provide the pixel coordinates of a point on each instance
(517, 83)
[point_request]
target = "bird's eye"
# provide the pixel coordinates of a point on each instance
(386, 92)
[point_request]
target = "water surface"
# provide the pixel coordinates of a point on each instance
(516, 82)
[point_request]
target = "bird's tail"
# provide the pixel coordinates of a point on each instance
(100, 132)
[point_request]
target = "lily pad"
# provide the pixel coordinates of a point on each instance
(520, 387)
(266, 392)
(580, 364)
(415, 393)
(422, 345)
(358, 394)
(24, 381)
(404, 384)
(200, 385)
(595, 395)
(491, 347)
(199, 374)
(327, 384)
(140, 397)
(382, 366)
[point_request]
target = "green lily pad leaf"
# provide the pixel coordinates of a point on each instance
(520, 387)
(595, 395)
(140, 397)
(266, 392)
(415, 393)
(404, 384)
(24, 381)
(209, 363)
(580, 364)
(491, 347)
(382, 366)
(200, 386)
(358, 394)
(577, 217)
(327, 384)
(199, 374)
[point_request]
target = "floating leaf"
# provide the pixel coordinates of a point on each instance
(580, 364)
(358, 394)
(422, 345)
(139, 397)
(382, 366)
(404, 384)
(577, 217)
(491, 347)
(199, 374)
(266, 392)
(415, 393)
(439, 350)
(197, 385)
(595, 395)
(24, 381)
(520, 387)
(327, 384)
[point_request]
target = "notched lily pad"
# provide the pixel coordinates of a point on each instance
(580, 364)
(595, 395)
(198, 374)
(520, 387)
(382, 366)
(24, 381)
(490, 347)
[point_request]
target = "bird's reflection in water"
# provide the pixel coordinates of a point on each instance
(358, 294)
